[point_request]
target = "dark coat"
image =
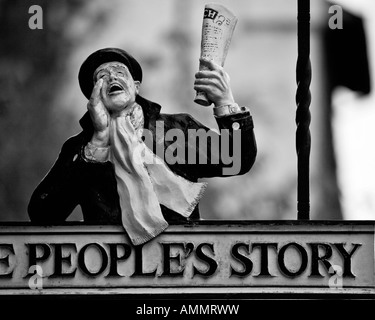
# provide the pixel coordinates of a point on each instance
(73, 180)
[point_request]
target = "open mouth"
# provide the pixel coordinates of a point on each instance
(115, 88)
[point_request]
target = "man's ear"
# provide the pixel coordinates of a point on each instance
(137, 85)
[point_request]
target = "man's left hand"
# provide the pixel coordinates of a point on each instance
(215, 82)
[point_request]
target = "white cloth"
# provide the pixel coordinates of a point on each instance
(144, 182)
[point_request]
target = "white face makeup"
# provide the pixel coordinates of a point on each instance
(119, 88)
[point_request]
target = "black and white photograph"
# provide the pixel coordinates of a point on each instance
(187, 159)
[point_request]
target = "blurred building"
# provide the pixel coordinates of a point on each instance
(353, 103)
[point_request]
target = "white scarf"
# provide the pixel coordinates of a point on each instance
(144, 181)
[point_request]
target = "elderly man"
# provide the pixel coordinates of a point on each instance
(113, 168)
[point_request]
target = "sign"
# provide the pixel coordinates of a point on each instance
(210, 257)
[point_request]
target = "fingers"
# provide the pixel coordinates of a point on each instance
(95, 105)
(221, 75)
(212, 70)
(214, 81)
(209, 79)
(95, 95)
(98, 113)
(211, 74)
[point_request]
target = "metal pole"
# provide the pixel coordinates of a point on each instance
(303, 117)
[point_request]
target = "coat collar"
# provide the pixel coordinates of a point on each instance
(151, 110)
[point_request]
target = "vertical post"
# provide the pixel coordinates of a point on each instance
(303, 117)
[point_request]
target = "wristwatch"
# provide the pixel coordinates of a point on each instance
(228, 109)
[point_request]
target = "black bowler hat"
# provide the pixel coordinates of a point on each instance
(94, 60)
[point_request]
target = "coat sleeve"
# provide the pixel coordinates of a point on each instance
(229, 152)
(57, 194)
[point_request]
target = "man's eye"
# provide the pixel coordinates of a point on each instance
(121, 73)
(102, 76)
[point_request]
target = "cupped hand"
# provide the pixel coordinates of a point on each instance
(99, 117)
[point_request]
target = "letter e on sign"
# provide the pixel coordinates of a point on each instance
(36, 20)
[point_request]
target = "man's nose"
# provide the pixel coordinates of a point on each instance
(113, 75)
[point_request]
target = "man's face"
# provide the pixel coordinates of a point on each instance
(119, 88)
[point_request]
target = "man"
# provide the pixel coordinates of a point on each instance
(113, 168)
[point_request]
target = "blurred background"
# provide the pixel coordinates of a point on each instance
(41, 103)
